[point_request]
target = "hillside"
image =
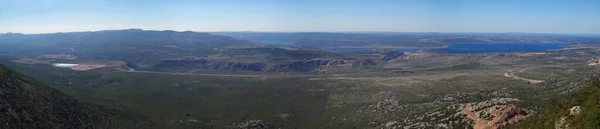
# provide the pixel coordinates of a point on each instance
(578, 110)
(27, 103)
(204, 82)
(129, 45)
(172, 50)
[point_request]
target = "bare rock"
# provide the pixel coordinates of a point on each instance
(251, 124)
(386, 106)
(575, 110)
(509, 114)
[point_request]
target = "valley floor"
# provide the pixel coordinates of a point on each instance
(434, 87)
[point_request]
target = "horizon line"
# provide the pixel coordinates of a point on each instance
(267, 31)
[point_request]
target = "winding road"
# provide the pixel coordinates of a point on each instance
(511, 74)
(231, 75)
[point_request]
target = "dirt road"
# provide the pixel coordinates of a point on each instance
(231, 75)
(512, 75)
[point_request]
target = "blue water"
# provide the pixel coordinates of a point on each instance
(348, 49)
(272, 42)
(368, 48)
(499, 47)
(473, 47)
(142, 65)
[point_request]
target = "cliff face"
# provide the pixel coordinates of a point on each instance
(308, 66)
(27, 103)
(311, 65)
(212, 64)
(322, 64)
(385, 57)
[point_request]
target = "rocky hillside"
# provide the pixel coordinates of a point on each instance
(580, 110)
(307, 65)
(27, 103)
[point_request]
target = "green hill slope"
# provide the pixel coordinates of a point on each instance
(580, 110)
(27, 103)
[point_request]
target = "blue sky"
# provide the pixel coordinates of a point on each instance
(538, 16)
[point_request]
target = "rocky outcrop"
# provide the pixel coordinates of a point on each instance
(500, 116)
(386, 106)
(212, 64)
(323, 64)
(419, 55)
(385, 57)
(309, 65)
(563, 123)
(390, 55)
(575, 110)
(510, 115)
(299, 66)
(312, 65)
(251, 124)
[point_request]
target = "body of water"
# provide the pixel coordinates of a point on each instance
(64, 65)
(500, 47)
(368, 48)
(472, 47)
(283, 43)
(142, 65)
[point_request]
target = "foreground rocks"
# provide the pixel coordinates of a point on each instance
(500, 117)
(562, 123)
(575, 110)
(251, 124)
(489, 114)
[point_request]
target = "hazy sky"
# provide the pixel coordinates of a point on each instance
(545, 16)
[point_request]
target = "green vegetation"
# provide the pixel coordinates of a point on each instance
(557, 108)
(27, 103)
(201, 101)
(168, 79)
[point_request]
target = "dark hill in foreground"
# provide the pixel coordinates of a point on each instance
(27, 103)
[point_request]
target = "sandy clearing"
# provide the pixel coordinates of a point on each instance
(511, 74)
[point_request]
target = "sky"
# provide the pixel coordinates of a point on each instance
(531, 16)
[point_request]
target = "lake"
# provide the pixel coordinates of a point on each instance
(142, 65)
(272, 42)
(499, 47)
(64, 65)
(368, 48)
(471, 47)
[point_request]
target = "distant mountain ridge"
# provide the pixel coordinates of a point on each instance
(166, 49)
(128, 45)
